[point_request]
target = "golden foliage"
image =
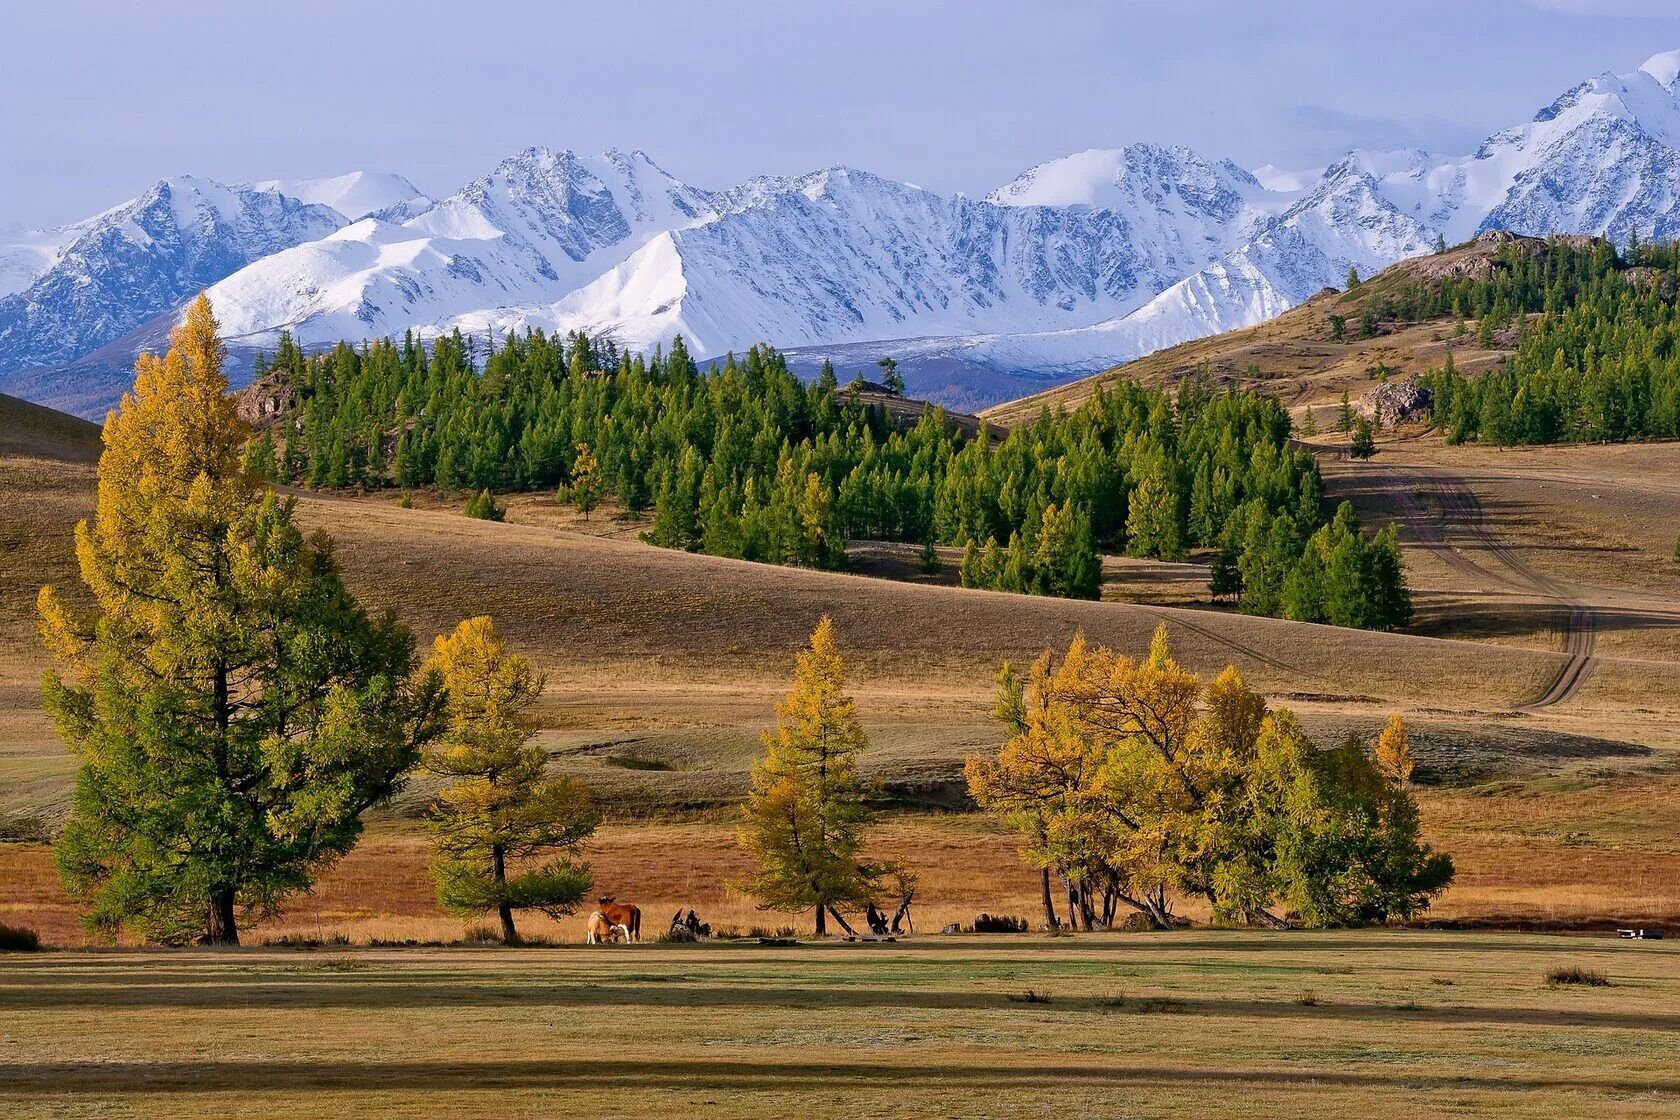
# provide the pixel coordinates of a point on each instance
(1131, 778)
(1394, 752)
(170, 484)
(804, 817)
(499, 807)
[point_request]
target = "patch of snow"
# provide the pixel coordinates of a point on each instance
(1664, 67)
(354, 195)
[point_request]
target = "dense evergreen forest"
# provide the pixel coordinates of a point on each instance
(1597, 353)
(745, 460)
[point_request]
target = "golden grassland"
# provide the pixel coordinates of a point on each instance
(1210, 1023)
(665, 667)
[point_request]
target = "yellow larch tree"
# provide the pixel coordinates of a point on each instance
(233, 709)
(805, 815)
(499, 812)
(1394, 752)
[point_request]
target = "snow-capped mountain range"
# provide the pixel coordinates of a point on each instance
(1074, 266)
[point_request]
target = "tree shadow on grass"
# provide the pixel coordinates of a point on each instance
(600, 1075)
(370, 994)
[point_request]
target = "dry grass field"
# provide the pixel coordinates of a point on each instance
(1215, 1024)
(1540, 575)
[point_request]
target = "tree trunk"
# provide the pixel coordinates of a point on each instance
(221, 925)
(1262, 917)
(902, 914)
(822, 922)
(1049, 902)
(839, 917)
(1158, 911)
(498, 860)
(1073, 903)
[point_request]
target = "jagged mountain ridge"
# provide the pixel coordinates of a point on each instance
(78, 287)
(1075, 265)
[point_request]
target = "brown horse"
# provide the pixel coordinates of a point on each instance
(624, 914)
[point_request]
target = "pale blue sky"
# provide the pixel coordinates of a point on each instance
(99, 99)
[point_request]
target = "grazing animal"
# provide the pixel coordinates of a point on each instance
(602, 931)
(624, 914)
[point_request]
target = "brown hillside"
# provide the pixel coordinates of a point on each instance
(1294, 356)
(31, 430)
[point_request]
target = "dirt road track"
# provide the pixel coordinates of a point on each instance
(1462, 512)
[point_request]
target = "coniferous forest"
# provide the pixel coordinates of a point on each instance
(1597, 343)
(744, 460)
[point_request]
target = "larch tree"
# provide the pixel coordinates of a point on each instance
(1039, 784)
(499, 813)
(1137, 783)
(586, 485)
(1393, 754)
(1364, 445)
(805, 815)
(233, 709)
(891, 379)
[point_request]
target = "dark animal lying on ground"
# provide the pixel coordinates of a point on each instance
(687, 928)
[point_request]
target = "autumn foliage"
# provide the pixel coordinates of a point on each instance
(506, 835)
(1138, 783)
(804, 819)
(233, 709)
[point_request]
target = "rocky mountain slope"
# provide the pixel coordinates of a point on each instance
(71, 290)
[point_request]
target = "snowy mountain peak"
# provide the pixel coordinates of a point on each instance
(1117, 177)
(1664, 67)
(355, 194)
(1076, 264)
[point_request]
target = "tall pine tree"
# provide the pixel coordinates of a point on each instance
(233, 709)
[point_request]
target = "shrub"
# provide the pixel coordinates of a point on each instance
(23, 828)
(999, 923)
(405, 502)
(17, 939)
(1575, 974)
(483, 506)
(1029, 996)
(751, 933)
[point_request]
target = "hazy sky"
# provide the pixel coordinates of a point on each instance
(99, 99)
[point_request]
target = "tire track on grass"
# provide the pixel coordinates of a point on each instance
(1462, 509)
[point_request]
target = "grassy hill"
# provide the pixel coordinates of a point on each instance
(1539, 678)
(34, 431)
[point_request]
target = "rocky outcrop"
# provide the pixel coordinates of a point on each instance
(1400, 402)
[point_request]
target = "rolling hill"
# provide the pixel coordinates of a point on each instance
(1538, 677)
(1296, 357)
